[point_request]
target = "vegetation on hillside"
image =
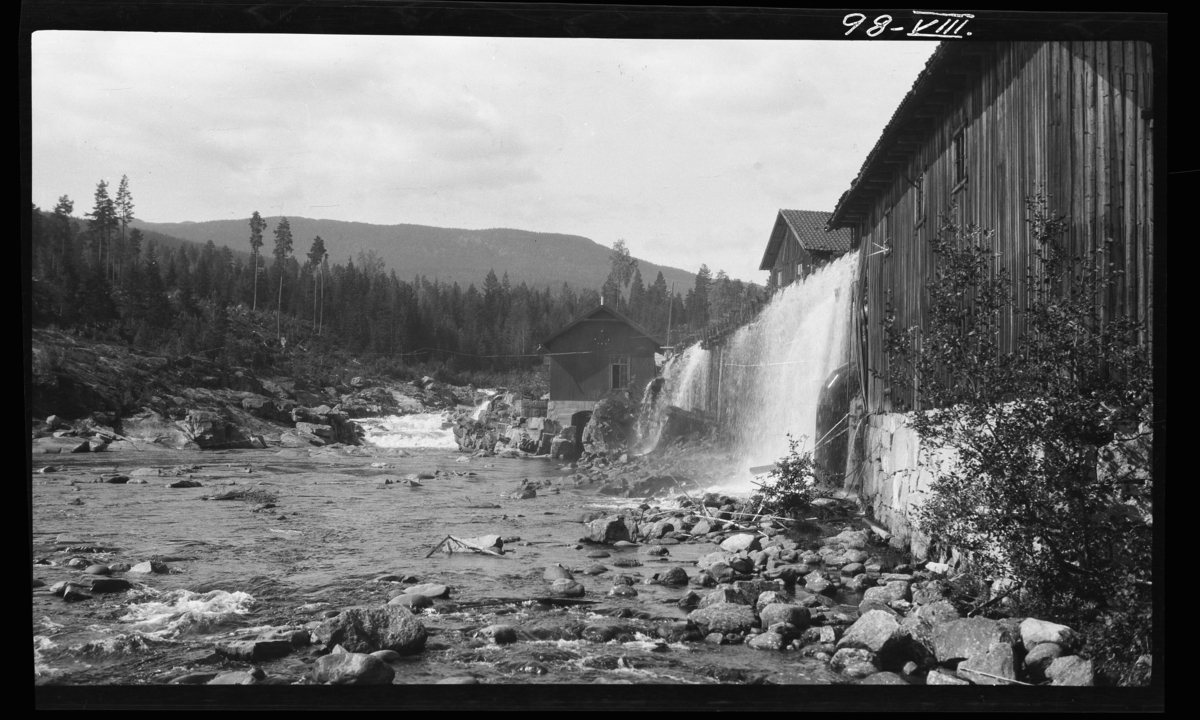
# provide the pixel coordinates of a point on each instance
(102, 279)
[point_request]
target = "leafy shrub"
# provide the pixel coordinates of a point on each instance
(791, 487)
(1024, 499)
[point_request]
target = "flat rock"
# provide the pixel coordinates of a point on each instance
(937, 676)
(742, 542)
(98, 570)
(429, 590)
(724, 618)
(411, 601)
(234, 678)
(110, 585)
(151, 566)
(352, 669)
(458, 680)
(961, 639)
(254, 650)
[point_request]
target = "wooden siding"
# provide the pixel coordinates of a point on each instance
(1069, 119)
(588, 375)
(791, 255)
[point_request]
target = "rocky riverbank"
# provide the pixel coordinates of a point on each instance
(268, 568)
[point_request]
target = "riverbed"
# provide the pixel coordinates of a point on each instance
(336, 528)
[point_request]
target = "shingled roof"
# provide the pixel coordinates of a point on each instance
(809, 228)
(599, 309)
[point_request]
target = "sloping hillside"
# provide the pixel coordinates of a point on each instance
(451, 255)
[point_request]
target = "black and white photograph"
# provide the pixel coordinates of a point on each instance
(533, 347)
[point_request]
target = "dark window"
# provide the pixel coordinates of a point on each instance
(960, 156)
(620, 371)
(919, 199)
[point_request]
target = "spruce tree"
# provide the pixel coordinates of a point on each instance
(283, 248)
(257, 225)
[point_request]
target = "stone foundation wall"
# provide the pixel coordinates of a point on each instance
(562, 410)
(888, 471)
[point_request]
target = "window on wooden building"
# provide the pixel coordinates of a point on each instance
(959, 154)
(919, 200)
(620, 371)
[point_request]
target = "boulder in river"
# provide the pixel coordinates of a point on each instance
(367, 629)
(352, 669)
(608, 530)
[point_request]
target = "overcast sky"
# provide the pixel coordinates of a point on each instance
(686, 149)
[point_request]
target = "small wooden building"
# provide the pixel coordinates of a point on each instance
(800, 244)
(985, 126)
(598, 352)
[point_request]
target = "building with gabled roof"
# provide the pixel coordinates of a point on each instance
(799, 244)
(596, 353)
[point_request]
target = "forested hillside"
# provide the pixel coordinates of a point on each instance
(449, 255)
(105, 277)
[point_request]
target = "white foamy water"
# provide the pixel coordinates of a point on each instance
(422, 430)
(178, 612)
(767, 378)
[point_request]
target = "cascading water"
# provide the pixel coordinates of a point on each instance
(767, 376)
(685, 383)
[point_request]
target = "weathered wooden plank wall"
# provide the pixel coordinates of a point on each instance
(1068, 119)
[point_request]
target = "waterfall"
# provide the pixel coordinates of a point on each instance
(766, 379)
(685, 385)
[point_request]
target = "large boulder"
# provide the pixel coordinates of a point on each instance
(368, 629)
(962, 639)
(608, 530)
(876, 631)
(352, 669)
(1034, 632)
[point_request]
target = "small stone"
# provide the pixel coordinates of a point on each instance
(150, 566)
(740, 542)
(674, 576)
(499, 634)
(854, 662)
(598, 554)
(98, 570)
(1040, 657)
(623, 591)
(781, 613)
(412, 601)
(110, 585)
(595, 569)
(767, 641)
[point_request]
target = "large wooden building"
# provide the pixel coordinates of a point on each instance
(598, 352)
(985, 126)
(800, 244)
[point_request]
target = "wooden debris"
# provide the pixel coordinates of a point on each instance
(452, 545)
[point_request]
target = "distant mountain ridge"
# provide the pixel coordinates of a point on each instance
(448, 254)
